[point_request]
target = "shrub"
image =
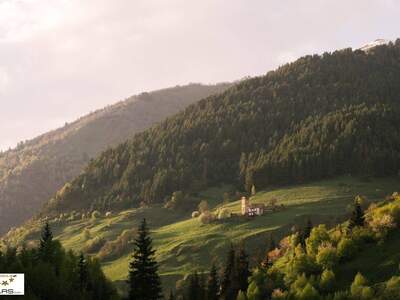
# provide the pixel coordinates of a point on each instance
(327, 256)
(241, 296)
(278, 294)
(309, 293)
(195, 214)
(327, 282)
(346, 249)
(362, 235)
(253, 291)
(116, 248)
(224, 214)
(203, 206)
(391, 290)
(360, 290)
(301, 265)
(317, 236)
(96, 214)
(206, 217)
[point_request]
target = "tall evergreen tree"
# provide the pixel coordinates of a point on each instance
(228, 289)
(46, 247)
(82, 272)
(144, 281)
(357, 216)
(271, 243)
(242, 268)
(193, 291)
(213, 284)
(305, 233)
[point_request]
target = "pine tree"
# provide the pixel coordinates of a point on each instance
(228, 290)
(144, 281)
(305, 233)
(46, 248)
(357, 216)
(271, 244)
(193, 292)
(82, 272)
(213, 284)
(203, 286)
(242, 269)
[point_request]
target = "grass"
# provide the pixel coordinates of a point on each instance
(184, 244)
(377, 263)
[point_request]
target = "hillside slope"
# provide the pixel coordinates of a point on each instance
(318, 117)
(184, 244)
(36, 169)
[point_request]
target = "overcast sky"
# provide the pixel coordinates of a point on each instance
(60, 59)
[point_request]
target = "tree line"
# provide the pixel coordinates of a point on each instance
(320, 116)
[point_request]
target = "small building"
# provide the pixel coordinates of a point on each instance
(251, 210)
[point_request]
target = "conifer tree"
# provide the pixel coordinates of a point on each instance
(271, 244)
(193, 292)
(305, 233)
(242, 268)
(144, 281)
(357, 216)
(82, 272)
(213, 284)
(228, 290)
(46, 247)
(203, 286)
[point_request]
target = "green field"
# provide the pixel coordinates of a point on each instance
(184, 244)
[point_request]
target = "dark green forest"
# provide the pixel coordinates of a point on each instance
(53, 273)
(318, 117)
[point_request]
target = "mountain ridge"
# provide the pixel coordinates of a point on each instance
(33, 171)
(226, 138)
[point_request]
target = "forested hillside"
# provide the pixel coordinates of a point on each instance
(354, 260)
(36, 169)
(318, 117)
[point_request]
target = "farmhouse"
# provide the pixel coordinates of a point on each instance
(251, 209)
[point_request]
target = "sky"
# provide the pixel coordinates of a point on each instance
(61, 59)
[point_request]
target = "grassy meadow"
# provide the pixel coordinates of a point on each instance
(184, 244)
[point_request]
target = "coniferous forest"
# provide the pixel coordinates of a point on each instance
(318, 117)
(51, 272)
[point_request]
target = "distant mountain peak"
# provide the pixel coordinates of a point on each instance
(378, 42)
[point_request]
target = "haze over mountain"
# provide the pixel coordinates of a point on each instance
(61, 59)
(31, 173)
